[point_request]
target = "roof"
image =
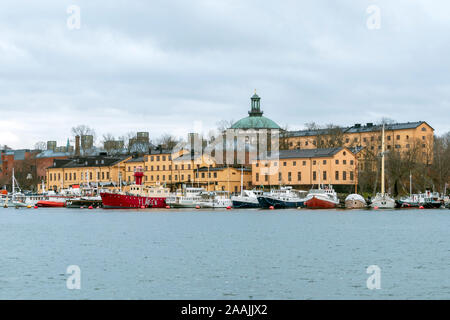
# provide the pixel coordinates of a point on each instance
(138, 159)
(201, 169)
(357, 128)
(255, 122)
(52, 154)
(96, 161)
(309, 153)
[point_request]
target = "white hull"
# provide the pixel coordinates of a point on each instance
(383, 202)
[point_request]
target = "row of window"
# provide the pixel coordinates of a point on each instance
(163, 168)
(84, 176)
(314, 162)
(355, 140)
(337, 176)
(159, 158)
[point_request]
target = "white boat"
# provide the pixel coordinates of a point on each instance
(185, 199)
(216, 199)
(382, 200)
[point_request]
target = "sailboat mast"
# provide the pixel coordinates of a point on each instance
(13, 185)
(242, 179)
(382, 161)
(410, 183)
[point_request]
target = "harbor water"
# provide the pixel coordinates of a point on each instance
(224, 254)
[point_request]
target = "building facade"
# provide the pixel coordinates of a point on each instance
(336, 166)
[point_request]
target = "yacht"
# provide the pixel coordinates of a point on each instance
(216, 199)
(382, 200)
(187, 198)
(427, 200)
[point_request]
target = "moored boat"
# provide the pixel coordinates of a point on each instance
(282, 198)
(325, 198)
(215, 199)
(355, 201)
(188, 198)
(247, 199)
(137, 196)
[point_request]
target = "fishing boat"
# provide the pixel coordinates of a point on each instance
(426, 200)
(85, 202)
(247, 199)
(282, 198)
(137, 196)
(355, 201)
(322, 198)
(186, 198)
(382, 200)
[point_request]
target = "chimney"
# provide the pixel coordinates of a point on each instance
(77, 145)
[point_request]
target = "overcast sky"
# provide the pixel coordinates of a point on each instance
(174, 66)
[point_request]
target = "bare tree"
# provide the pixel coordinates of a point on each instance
(84, 130)
(167, 140)
(40, 145)
(223, 125)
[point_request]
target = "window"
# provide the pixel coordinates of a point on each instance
(306, 143)
(314, 175)
(157, 168)
(163, 158)
(347, 140)
(182, 177)
(157, 158)
(257, 177)
(74, 176)
(337, 161)
(284, 163)
(304, 163)
(344, 161)
(279, 176)
(164, 167)
(314, 162)
(152, 158)
(215, 174)
(398, 137)
(344, 175)
(336, 175)
(257, 164)
(351, 162)
(289, 176)
(107, 175)
(424, 129)
(151, 178)
(389, 138)
(103, 176)
(423, 137)
(90, 175)
(182, 167)
(351, 175)
(203, 175)
(324, 175)
(294, 163)
(299, 176)
(266, 178)
(157, 177)
(324, 161)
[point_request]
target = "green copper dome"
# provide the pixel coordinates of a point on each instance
(255, 119)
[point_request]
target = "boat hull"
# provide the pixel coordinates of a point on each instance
(318, 203)
(245, 204)
(122, 201)
(83, 203)
(51, 204)
(267, 202)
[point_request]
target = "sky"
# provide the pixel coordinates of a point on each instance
(177, 66)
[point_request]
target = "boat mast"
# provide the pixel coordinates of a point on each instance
(382, 161)
(410, 183)
(242, 179)
(13, 185)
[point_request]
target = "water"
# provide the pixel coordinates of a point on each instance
(238, 254)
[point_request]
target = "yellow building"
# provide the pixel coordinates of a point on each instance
(223, 178)
(415, 137)
(336, 166)
(102, 170)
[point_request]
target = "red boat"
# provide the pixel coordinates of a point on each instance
(137, 196)
(322, 199)
(51, 204)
